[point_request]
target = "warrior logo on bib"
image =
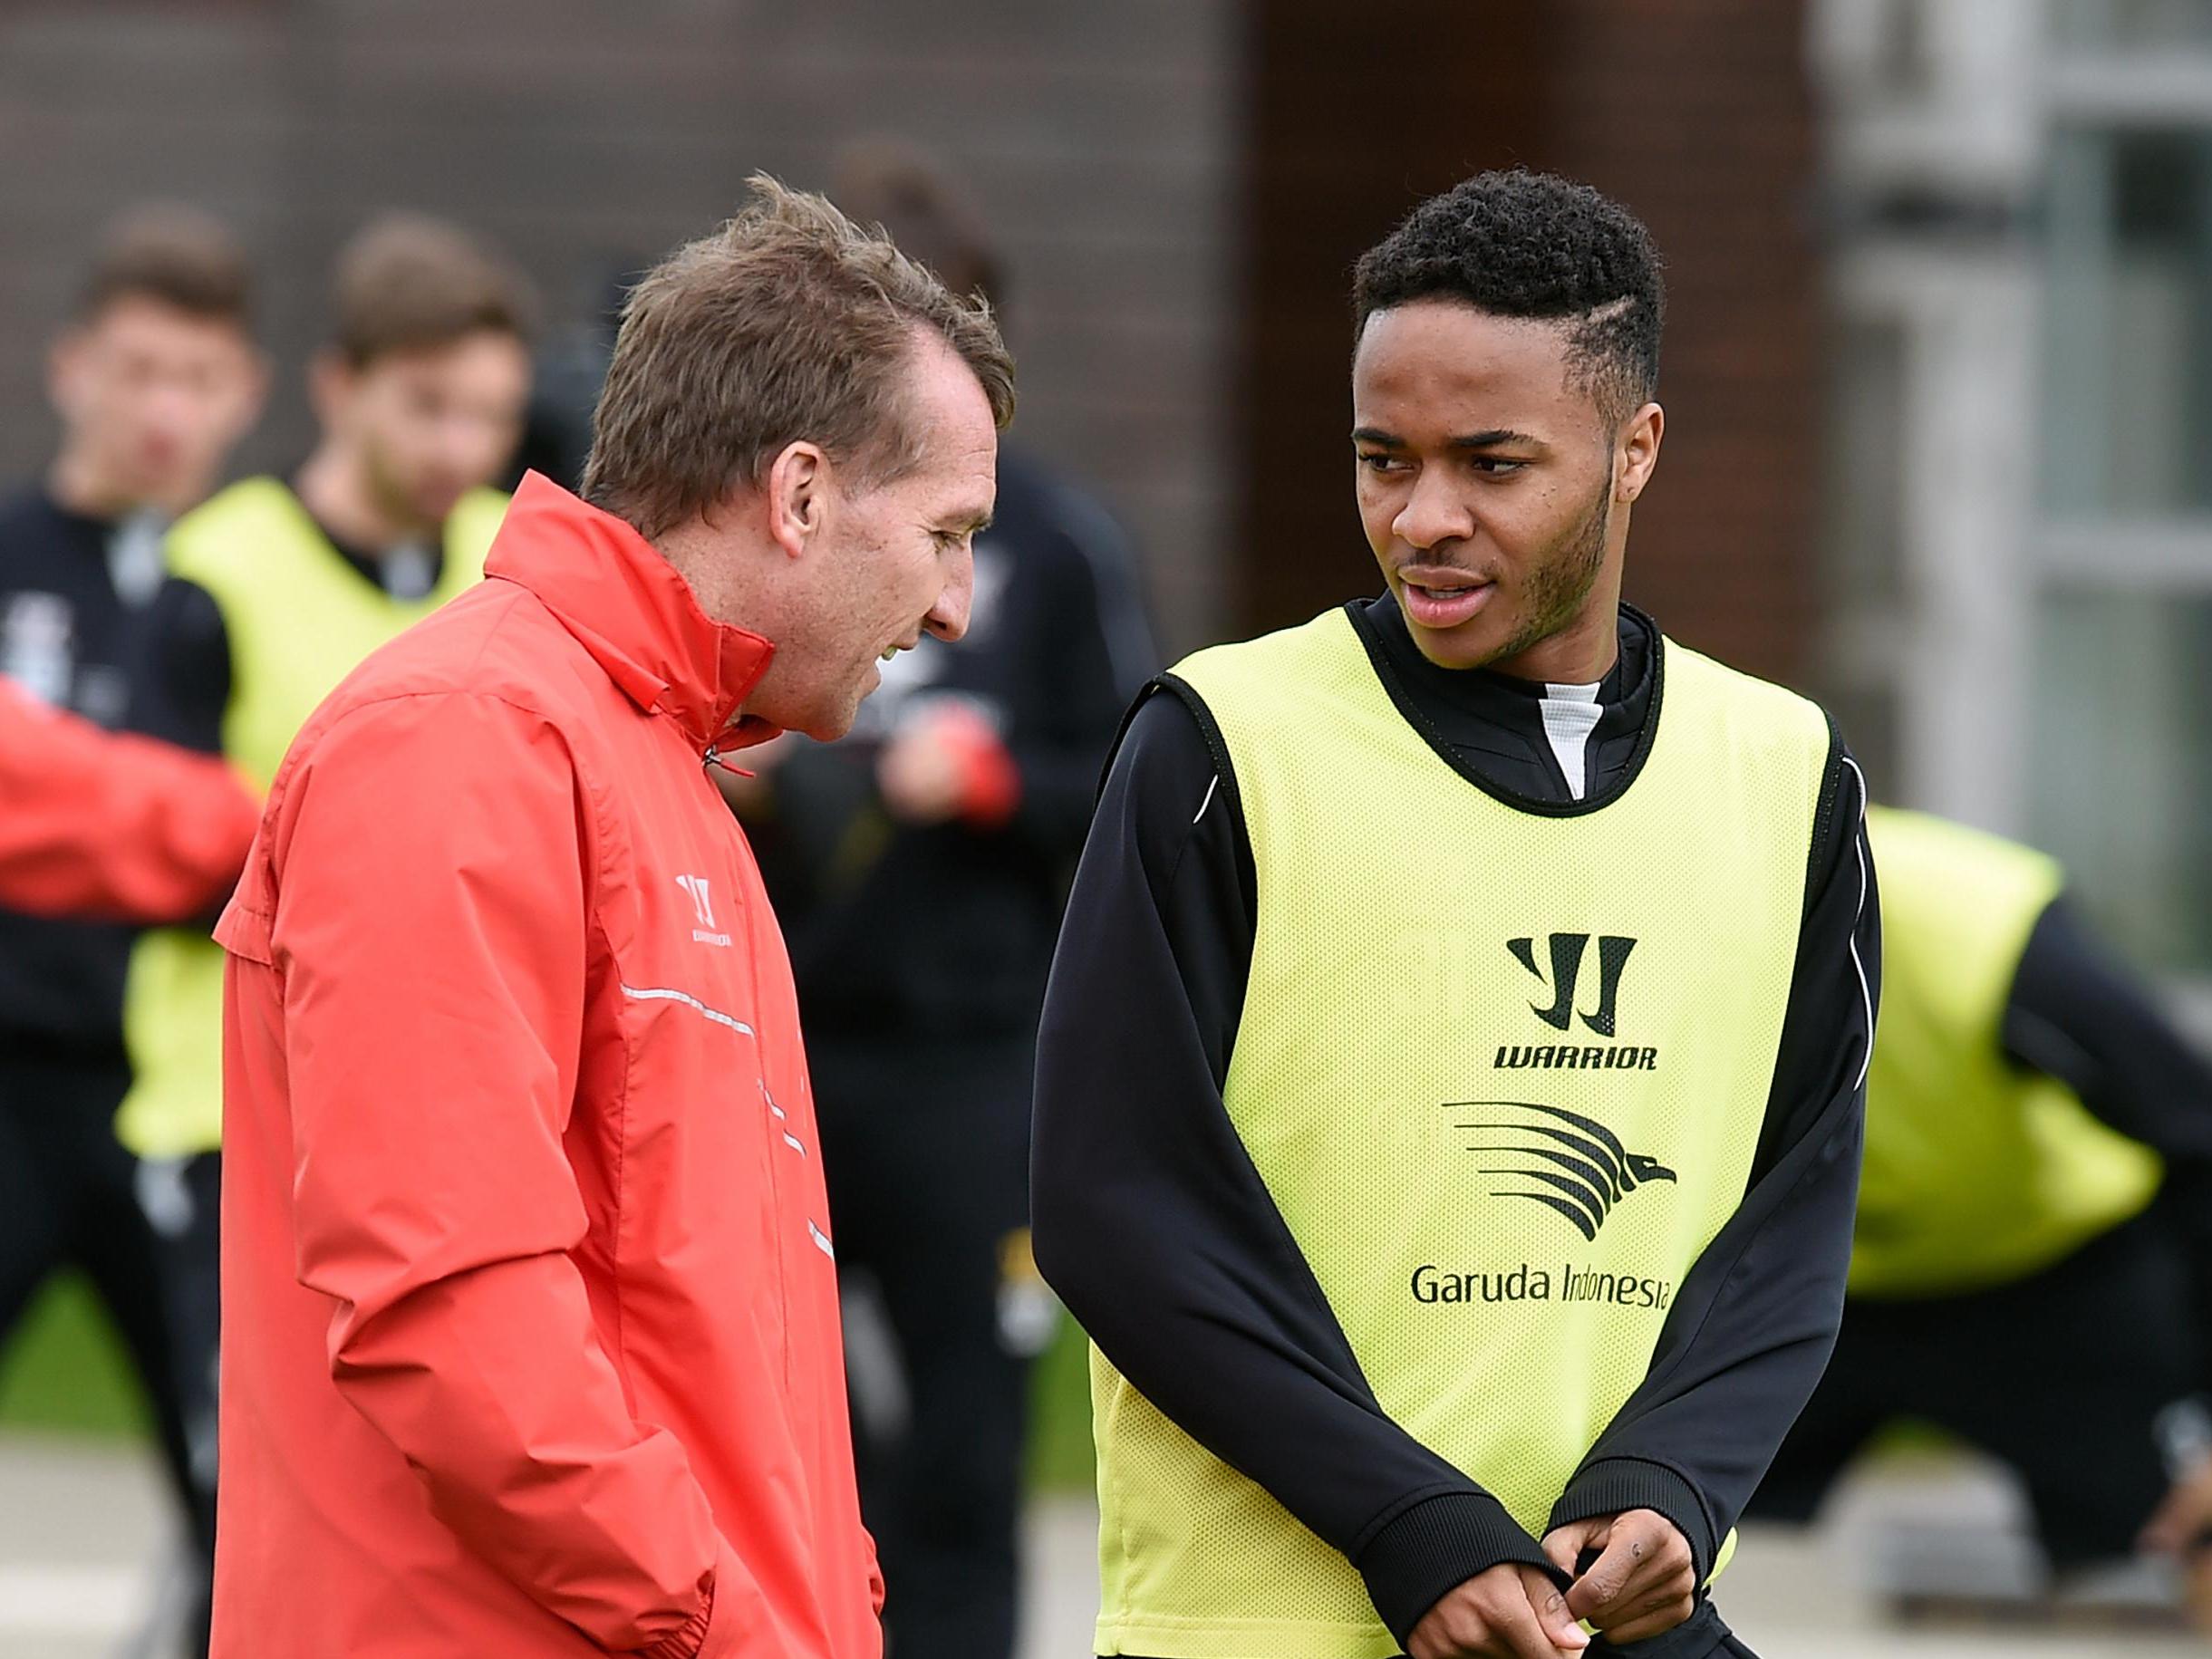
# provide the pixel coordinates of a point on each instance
(1567, 954)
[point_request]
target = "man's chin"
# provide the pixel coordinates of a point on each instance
(1475, 644)
(832, 724)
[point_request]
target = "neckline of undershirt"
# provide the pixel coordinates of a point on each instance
(1570, 713)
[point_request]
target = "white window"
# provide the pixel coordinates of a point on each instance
(2022, 273)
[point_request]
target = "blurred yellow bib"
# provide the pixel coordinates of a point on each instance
(1977, 1171)
(299, 620)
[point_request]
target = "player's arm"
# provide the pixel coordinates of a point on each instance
(95, 823)
(1154, 1227)
(2081, 1015)
(2077, 1013)
(183, 689)
(1752, 1329)
(1036, 780)
(433, 875)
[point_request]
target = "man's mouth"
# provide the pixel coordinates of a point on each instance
(1443, 599)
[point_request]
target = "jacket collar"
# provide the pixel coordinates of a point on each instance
(627, 606)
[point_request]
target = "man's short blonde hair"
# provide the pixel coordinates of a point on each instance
(790, 324)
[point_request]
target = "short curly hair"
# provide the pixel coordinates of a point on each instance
(1532, 244)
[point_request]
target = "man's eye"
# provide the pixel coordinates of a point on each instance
(1495, 467)
(1377, 461)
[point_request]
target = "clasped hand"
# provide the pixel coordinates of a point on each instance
(1643, 1584)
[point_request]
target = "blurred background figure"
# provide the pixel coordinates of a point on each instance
(153, 381)
(276, 589)
(2032, 1257)
(918, 868)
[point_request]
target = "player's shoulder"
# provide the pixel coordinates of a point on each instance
(240, 533)
(258, 504)
(34, 531)
(1325, 642)
(1746, 700)
(1167, 743)
(1944, 853)
(27, 506)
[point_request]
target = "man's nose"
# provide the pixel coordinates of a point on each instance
(948, 618)
(1433, 513)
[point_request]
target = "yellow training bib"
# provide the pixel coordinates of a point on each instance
(1502, 1069)
(299, 618)
(1977, 1171)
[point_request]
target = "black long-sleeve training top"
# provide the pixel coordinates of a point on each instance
(1156, 1229)
(2079, 1014)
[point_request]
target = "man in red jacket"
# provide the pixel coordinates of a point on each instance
(530, 1318)
(95, 822)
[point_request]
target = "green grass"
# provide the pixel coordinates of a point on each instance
(1060, 1415)
(66, 1369)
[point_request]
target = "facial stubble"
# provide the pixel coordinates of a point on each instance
(1559, 583)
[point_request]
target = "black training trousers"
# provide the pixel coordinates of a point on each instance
(926, 1149)
(69, 1196)
(2061, 1374)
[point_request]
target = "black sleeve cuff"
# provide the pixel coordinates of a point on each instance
(1611, 1486)
(1422, 1554)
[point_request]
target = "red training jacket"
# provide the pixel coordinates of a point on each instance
(103, 824)
(530, 1337)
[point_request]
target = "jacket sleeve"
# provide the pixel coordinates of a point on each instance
(1756, 1320)
(433, 875)
(95, 823)
(1152, 1223)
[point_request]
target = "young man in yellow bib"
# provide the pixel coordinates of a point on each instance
(278, 589)
(1450, 1087)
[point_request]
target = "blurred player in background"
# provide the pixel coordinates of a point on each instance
(918, 867)
(154, 381)
(276, 588)
(105, 823)
(2033, 1259)
(1449, 1089)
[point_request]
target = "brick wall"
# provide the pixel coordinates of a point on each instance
(1695, 113)
(588, 137)
(1181, 186)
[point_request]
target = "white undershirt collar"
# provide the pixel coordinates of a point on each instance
(1571, 714)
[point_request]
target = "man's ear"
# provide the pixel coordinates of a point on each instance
(65, 357)
(1639, 451)
(331, 380)
(797, 491)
